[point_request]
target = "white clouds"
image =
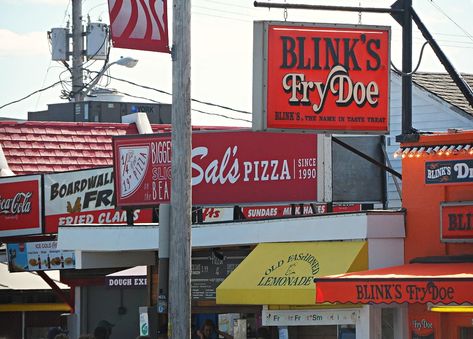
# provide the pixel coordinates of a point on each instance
(27, 44)
(26, 2)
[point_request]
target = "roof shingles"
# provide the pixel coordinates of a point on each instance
(48, 146)
(442, 85)
(42, 147)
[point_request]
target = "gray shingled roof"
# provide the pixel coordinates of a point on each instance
(442, 85)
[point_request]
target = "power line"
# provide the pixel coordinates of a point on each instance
(168, 93)
(26, 97)
(193, 109)
(453, 21)
(221, 115)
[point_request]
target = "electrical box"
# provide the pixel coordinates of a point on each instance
(97, 41)
(59, 44)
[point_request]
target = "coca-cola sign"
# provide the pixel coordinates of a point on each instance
(20, 205)
(321, 77)
(227, 168)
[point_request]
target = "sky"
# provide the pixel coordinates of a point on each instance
(221, 50)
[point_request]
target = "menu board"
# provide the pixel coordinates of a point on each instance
(210, 268)
(39, 256)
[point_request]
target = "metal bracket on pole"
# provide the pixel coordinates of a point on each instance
(285, 5)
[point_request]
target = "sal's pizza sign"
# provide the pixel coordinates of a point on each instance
(20, 205)
(332, 78)
(456, 223)
(227, 168)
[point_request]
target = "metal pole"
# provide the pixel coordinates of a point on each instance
(179, 323)
(77, 51)
(456, 77)
(406, 68)
(284, 5)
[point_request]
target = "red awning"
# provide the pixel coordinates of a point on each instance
(411, 283)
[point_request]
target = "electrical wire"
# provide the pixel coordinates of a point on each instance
(50, 61)
(73, 93)
(168, 93)
(193, 109)
(27, 96)
(220, 115)
(418, 63)
(453, 21)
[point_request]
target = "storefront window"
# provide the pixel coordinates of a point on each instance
(346, 332)
(466, 332)
(387, 328)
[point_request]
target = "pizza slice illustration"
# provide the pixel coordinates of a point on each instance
(133, 168)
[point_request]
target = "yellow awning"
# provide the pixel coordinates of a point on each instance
(283, 273)
(35, 307)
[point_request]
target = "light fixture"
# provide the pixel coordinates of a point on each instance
(442, 150)
(412, 152)
(397, 153)
(429, 150)
(452, 308)
(127, 62)
(405, 152)
(450, 150)
(420, 152)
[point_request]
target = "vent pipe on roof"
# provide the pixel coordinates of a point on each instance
(5, 170)
(141, 121)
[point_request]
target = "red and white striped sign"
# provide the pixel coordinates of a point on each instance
(139, 24)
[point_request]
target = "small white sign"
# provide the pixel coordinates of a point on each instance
(310, 317)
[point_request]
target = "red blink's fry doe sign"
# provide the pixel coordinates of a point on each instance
(329, 78)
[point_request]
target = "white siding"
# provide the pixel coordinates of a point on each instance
(429, 114)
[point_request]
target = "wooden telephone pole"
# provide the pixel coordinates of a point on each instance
(179, 320)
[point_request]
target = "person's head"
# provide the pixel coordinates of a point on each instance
(103, 329)
(55, 331)
(101, 332)
(207, 328)
(262, 333)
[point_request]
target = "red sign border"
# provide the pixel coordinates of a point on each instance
(260, 76)
(38, 230)
(132, 206)
(451, 204)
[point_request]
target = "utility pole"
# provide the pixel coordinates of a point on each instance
(77, 51)
(179, 320)
(406, 69)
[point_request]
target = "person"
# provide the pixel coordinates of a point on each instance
(103, 330)
(210, 331)
(262, 333)
(55, 331)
